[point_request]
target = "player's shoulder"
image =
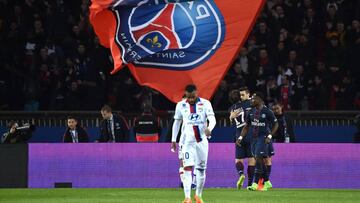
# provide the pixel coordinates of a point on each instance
(203, 101)
(183, 101)
(181, 104)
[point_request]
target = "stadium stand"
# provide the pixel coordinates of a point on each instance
(50, 59)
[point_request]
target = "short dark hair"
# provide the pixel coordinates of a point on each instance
(71, 117)
(244, 88)
(190, 88)
(260, 95)
(277, 104)
(106, 108)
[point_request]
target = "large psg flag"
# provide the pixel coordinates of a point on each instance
(168, 44)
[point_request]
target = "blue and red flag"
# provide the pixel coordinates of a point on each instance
(168, 44)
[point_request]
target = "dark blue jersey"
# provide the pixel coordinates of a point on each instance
(244, 107)
(260, 121)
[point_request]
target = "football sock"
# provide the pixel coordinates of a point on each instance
(200, 180)
(194, 180)
(250, 172)
(181, 173)
(265, 174)
(258, 170)
(268, 168)
(239, 168)
(187, 183)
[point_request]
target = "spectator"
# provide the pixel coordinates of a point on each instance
(113, 128)
(271, 94)
(319, 94)
(74, 132)
(285, 93)
(57, 34)
(285, 132)
(300, 88)
(146, 125)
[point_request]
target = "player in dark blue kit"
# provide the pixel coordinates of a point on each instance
(260, 119)
(238, 112)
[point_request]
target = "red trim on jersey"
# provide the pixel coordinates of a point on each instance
(195, 128)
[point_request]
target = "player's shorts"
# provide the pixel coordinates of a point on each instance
(243, 151)
(196, 154)
(270, 149)
(258, 147)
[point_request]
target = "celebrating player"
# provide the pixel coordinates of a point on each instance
(238, 113)
(260, 119)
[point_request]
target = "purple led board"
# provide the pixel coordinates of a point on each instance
(136, 165)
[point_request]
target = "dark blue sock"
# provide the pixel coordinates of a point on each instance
(258, 170)
(268, 168)
(265, 174)
(239, 168)
(250, 172)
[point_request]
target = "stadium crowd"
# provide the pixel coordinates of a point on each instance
(301, 53)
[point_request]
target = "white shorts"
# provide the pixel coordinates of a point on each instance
(196, 154)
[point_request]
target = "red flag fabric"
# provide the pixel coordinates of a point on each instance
(169, 45)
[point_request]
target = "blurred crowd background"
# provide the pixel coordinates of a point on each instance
(304, 54)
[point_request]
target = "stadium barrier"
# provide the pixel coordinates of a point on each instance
(309, 126)
(93, 118)
(154, 166)
(13, 166)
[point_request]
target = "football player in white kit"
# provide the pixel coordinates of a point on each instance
(199, 120)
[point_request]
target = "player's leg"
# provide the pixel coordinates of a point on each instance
(189, 153)
(181, 173)
(251, 161)
(267, 183)
(201, 163)
(268, 163)
(259, 153)
(193, 183)
(239, 164)
(251, 170)
(181, 165)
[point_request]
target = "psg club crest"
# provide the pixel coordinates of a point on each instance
(176, 36)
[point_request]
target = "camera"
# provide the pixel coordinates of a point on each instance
(26, 128)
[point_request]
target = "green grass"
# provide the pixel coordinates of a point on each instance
(174, 195)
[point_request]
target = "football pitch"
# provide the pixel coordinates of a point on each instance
(174, 195)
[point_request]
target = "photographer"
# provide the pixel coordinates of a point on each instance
(17, 134)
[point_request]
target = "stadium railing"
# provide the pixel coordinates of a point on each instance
(93, 118)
